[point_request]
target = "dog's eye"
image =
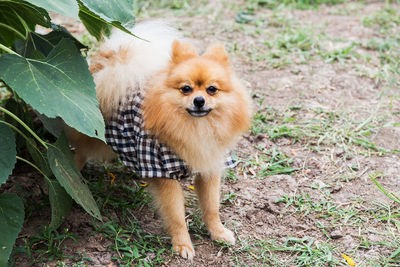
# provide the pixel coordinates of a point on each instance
(211, 90)
(186, 89)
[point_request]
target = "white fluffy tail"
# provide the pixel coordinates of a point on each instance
(125, 63)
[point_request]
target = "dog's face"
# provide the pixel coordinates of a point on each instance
(197, 97)
(199, 85)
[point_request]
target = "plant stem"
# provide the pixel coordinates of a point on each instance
(22, 134)
(5, 48)
(33, 165)
(25, 126)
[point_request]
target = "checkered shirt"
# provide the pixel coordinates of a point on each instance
(139, 149)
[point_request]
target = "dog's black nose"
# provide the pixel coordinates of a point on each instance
(199, 101)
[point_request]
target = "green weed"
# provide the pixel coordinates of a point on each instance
(195, 223)
(47, 244)
(267, 162)
(231, 176)
(390, 195)
(286, 47)
(132, 244)
(304, 251)
(385, 19)
(340, 55)
(324, 209)
(278, 163)
(309, 252)
(319, 127)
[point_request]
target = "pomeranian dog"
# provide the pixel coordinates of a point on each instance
(170, 113)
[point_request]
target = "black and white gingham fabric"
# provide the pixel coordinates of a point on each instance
(140, 150)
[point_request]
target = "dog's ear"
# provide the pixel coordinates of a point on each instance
(182, 52)
(218, 53)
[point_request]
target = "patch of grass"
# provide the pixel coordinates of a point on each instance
(309, 252)
(267, 162)
(195, 223)
(231, 175)
(304, 251)
(340, 55)
(80, 260)
(324, 209)
(125, 197)
(278, 163)
(388, 48)
(122, 193)
(228, 199)
(317, 127)
(300, 4)
(386, 22)
(286, 47)
(133, 245)
(385, 19)
(47, 244)
(359, 217)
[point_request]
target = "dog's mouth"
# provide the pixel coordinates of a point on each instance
(198, 112)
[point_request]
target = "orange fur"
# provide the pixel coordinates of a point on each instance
(202, 142)
(169, 199)
(207, 189)
(88, 148)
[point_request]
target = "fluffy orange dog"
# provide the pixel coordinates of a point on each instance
(193, 106)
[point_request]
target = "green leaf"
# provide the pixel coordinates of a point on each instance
(67, 8)
(7, 153)
(11, 221)
(59, 86)
(97, 16)
(54, 126)
(38, 157)
(95, 26)
(60, 202)
(64, 168)
(38, 46)
(17, 18)
(113, 10)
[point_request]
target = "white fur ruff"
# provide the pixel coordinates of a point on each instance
(134, 62)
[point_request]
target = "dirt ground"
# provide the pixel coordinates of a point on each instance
(327, 205)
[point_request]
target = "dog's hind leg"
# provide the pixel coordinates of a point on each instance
(207, 189)
(88, 148)
(168, 195)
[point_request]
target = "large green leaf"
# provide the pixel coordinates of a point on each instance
(7, 152)
(61, 85)
(38, 46)
(17, 18)
(64, 168)
(120, 11)
(60, 202)
(54, 126)
(39, 157)
(67, 8)
(98, 15)
(11, 220)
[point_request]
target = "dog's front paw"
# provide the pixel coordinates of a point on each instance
(223, 234)
(186, 251)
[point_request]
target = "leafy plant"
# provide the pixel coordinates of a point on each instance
(44, 84)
